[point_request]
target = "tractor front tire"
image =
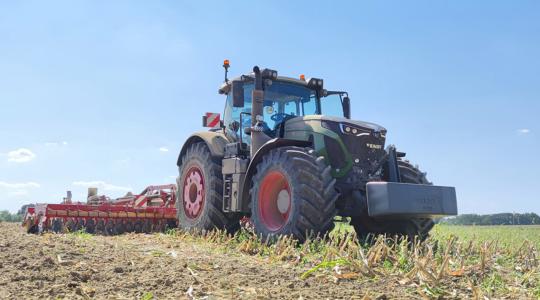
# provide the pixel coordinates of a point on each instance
(200, 192)
(415, 229)
(292, 193)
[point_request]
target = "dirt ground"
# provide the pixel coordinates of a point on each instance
(157, 266)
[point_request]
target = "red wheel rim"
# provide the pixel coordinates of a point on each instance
(274, 200)
(193, 199)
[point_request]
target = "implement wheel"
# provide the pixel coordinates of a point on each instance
(129, 226)
(31, 226)
(70, 225)
(100, 226)
(120, 226)
(90, 226)
(147, 226)
(57, 225)
(292, 193)
(79, 224)
(138, 226)
(414, 229)
(109, 228)
(200, 192)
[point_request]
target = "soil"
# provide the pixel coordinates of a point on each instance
(157, 266)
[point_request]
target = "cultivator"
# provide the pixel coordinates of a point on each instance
(150, 211)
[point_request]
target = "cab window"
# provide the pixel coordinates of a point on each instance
(238, 114)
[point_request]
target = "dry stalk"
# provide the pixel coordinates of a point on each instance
(421, 266)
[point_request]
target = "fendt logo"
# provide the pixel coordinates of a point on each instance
(374, 146)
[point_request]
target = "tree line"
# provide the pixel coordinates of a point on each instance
(466, 219)
(6, 216)
(494, 219)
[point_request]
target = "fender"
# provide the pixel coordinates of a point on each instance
(215, 140)
(257, 158)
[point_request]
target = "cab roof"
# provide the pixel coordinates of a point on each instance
(226, 86)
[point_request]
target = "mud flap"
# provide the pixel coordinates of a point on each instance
(404, 200)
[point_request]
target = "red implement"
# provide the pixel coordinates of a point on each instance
(151, 210)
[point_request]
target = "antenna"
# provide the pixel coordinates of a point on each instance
(226, 65)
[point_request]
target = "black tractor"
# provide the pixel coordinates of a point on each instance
(288, 156)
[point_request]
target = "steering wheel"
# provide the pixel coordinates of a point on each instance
(278, 117)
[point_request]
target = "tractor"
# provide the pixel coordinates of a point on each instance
(288, 156)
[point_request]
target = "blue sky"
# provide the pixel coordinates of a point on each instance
(105, 92)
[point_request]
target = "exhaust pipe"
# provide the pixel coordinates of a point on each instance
(68, 197)
(257, 136)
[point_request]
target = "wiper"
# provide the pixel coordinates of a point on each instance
(329, 93)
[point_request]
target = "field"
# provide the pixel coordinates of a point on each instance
(457, 262)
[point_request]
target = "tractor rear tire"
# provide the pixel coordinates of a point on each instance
(416, 229)
(200, 192)
(292, 193)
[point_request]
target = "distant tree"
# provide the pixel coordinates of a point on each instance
(24, 208)
(6, 216)
(494, 219)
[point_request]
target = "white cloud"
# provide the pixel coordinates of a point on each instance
(524, 131)
(18, 193)
(164, 149)
(102, 185)
(123, 161)
(23, 185)
(21, 155)
(55, 144)
(17, 189)
(170, 179)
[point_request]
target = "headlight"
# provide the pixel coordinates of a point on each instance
(348, 129)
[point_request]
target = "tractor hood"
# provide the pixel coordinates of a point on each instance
(337, 120)
(348, 144)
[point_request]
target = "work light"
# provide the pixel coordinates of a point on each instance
(315, 83)
(270, 74)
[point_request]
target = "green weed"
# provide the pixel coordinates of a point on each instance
(82, 234)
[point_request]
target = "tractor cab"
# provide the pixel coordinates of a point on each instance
(285, 98)
(288, 155)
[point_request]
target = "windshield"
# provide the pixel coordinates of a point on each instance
(332, 105)
(282, 101)
(285, 100)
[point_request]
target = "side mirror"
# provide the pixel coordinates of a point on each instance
(346, 107)
(237, 90)
(234, 126)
